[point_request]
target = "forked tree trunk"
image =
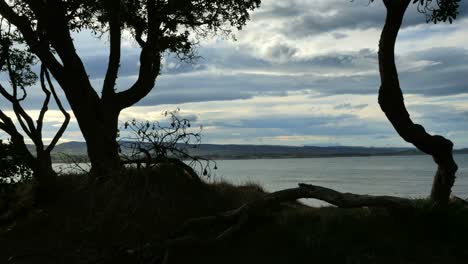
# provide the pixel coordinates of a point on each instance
(98, 121)
(392, 103)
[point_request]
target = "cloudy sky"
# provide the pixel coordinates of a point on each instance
(302, 72)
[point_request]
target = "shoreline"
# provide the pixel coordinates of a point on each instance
(81, 159)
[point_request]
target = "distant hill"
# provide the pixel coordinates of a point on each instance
(72, 148)
(215, 151)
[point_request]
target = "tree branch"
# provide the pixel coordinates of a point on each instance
(19, 112)
(115, 46)
(45, 105)
(150, 62)
(7, 124)
(40, 48)
(24, 119)
(65, 123)
(9, 127)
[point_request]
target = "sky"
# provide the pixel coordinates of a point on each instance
(302, 72)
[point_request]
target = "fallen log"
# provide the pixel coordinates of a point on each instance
(218, 228)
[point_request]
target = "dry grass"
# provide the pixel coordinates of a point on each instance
(105, 223)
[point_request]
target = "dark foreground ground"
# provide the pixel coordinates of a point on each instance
(127, 219)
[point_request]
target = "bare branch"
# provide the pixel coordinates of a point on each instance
(45, 105)
(7, 124)
(9, 127)
(150, 62)
(24, 119)
(19, 112)
(65, 123)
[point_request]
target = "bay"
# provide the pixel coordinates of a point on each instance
(406, 176)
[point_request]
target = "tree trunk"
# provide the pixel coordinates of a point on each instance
(103, 147)
(46, 179)
(98, 121)
(392, 103)
(41, 165)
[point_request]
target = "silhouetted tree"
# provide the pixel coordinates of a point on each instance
(391, 96)
(158, 26)
(17, 64)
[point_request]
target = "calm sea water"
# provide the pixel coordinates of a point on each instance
(407, 176)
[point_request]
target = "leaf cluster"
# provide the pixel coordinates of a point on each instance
(438, 10)
(15, 59)
(178, 23)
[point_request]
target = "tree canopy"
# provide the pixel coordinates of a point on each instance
(438, 10)
(157, 26)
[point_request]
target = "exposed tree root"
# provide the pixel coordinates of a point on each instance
(218, 228)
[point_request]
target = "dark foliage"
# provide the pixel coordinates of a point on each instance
(175, 20)
(13, 166)
(437, 10)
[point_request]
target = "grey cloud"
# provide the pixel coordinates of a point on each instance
(334, 126)
(159, 96)
(338, 35)
(446, 77)
(280, 58)
(303, 19)
(173, 65)
(96, 65)
(443, 120)
(363, 58)
(348, 106)
(281, 52)
(189, 117)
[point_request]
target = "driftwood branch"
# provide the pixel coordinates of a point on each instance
(199, 231)
(304, 191)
